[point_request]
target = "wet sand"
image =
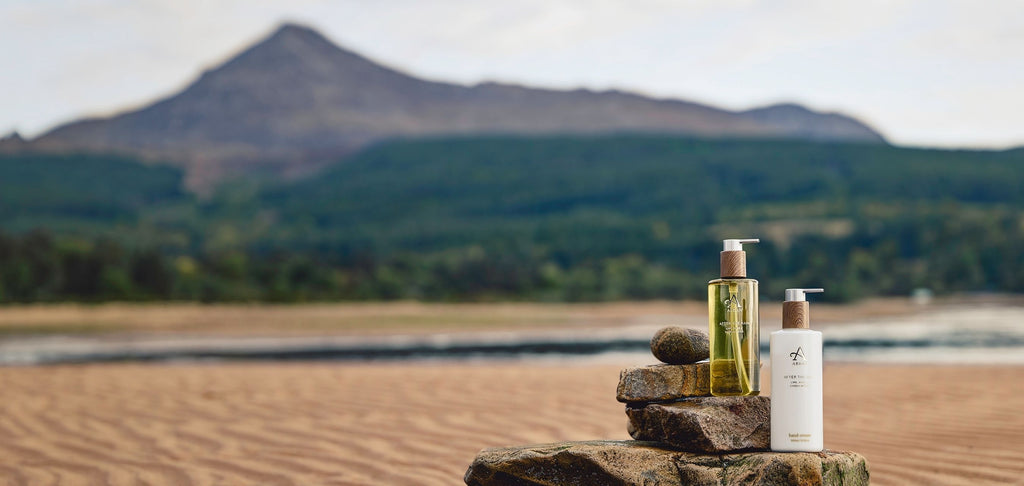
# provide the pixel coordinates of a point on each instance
(415, 423)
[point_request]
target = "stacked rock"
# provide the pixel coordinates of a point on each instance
(671, 403)
(684, 436)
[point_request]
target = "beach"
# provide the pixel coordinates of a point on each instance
(381, 243)
(422, 423)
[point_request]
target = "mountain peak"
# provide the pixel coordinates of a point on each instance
(11, 142)
(292, 33)
(295, 28)
(14, 136)
(801, 122)
(781, 108)
(291, 39)
(301, 58)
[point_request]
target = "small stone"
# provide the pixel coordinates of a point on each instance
(676, 345)
(662, 382)
(635, 462)
(706, 424)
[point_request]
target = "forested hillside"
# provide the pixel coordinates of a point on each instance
(553, 218)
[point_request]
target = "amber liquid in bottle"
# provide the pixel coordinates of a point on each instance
(734, 338)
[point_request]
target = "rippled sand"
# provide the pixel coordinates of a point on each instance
(308, 424)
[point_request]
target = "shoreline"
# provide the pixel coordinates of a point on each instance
(891, 331)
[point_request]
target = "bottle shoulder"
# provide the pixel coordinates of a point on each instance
(732, 280)
(796, 332)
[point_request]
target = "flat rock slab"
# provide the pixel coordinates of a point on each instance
(658, 383)
(645, 463)
(705, 424)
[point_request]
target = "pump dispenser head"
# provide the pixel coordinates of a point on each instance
(733, 259)
(795, 310)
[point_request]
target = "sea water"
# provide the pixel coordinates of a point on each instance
(969, 334)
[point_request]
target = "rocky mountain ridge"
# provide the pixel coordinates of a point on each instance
(295, 102)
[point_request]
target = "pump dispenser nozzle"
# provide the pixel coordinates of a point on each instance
(734, 259)
(799, 295)
(795, 310)
(737, 245)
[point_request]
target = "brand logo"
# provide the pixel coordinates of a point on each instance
(798, 354)
(732, 304)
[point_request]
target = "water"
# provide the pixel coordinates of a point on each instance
(977, 334)
(957, 335)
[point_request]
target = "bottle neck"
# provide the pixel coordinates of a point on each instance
(733, 264)
(796, 315)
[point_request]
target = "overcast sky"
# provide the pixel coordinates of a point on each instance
(928, 72)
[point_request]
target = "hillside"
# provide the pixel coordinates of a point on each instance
(82, 191)
(549, 218)
(587, 191)
(295, 102)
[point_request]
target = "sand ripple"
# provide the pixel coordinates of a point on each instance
(306, 424)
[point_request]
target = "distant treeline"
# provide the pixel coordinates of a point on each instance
(945, 252)
(557, 219)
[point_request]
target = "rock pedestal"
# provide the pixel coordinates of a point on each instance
(658, 383)
(643, 463)
(684, 436)
(706, 424)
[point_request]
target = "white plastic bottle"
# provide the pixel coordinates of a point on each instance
(797, 418)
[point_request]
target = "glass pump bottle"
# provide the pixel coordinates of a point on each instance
(733, 321)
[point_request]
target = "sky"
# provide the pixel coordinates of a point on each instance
(923, 72)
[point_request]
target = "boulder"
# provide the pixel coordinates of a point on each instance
(676, 345)
(634, 462)
(659, 383)
(705, 424)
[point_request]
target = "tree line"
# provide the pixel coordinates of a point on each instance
(945, 251)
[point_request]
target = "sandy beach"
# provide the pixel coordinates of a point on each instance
(416, 423)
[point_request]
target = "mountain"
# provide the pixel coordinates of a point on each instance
(798, 122)
(295, 102)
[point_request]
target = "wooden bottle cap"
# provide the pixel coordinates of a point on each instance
(796, 315)
(734, 264)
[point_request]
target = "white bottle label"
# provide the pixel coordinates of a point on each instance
(796, 413)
